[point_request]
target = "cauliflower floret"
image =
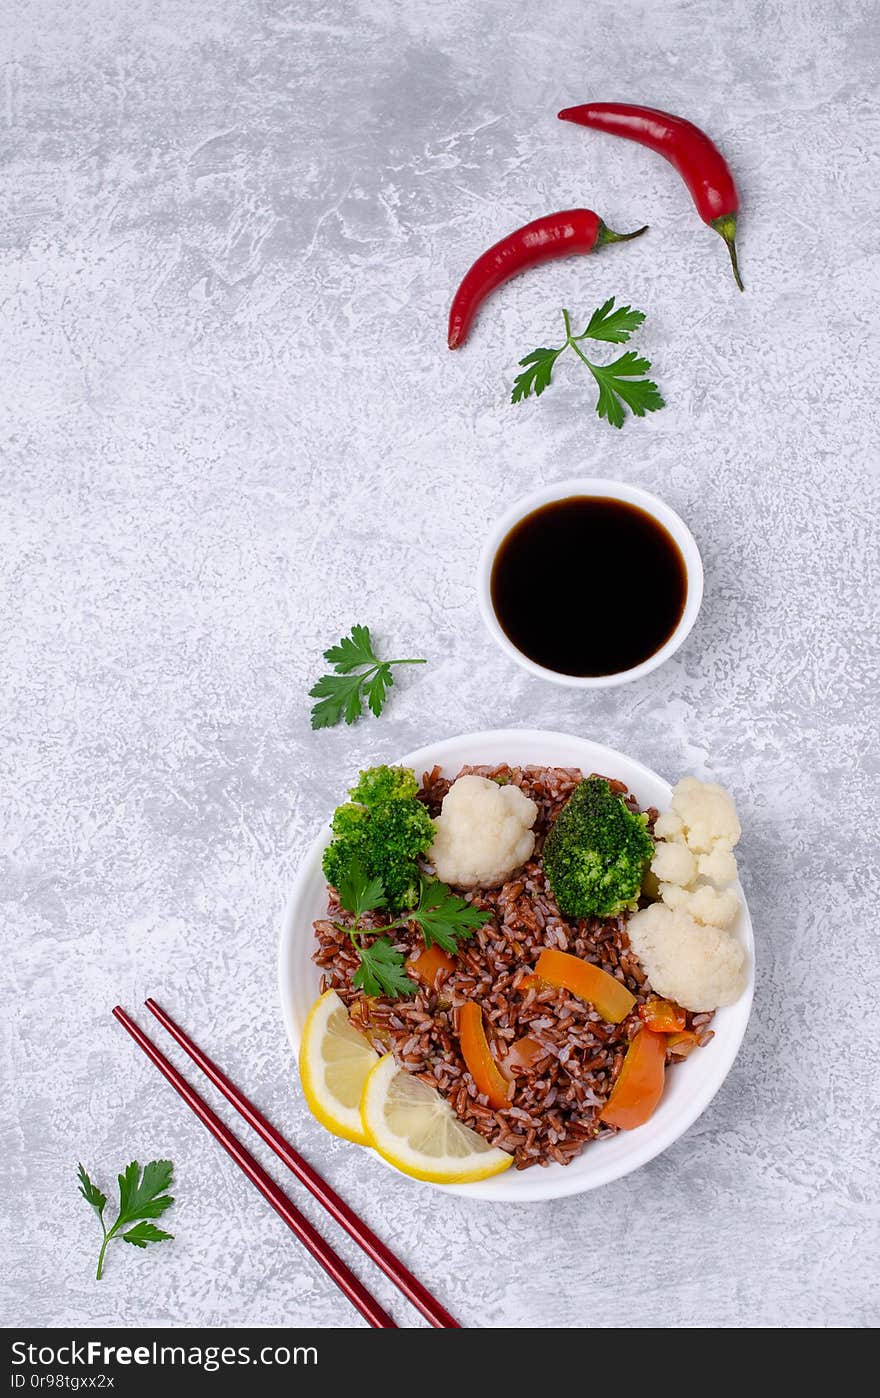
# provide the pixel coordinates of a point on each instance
(483, 833)
(682, 941)
(719, 867)
(674, 896)
(713, 907)
(669, 826)
(700, 968)
(673, 863)
(708, 814)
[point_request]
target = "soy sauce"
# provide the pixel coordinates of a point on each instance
(588, 585)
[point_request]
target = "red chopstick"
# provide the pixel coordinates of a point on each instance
(308, 1235)
(375, 1249)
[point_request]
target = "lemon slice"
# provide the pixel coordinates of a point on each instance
(334, 1060)
(414, 1128)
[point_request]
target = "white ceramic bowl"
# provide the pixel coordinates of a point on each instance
(613, 490)
(690, 1086)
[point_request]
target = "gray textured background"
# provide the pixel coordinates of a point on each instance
(230, 429)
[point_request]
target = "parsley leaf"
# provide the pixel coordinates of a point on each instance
(359, 674)
(340, 696)
(144, 1233)
(376, 689)
(352, 651)
(141, 1196)
(616, 382)
(90, 1192)
(619, 383)
(443, 917)
(615, 326)
(360, 894)
(383, 970)
(144, 1197)
(537, 376)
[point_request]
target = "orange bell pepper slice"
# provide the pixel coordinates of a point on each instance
(662, 1016)
(639, 1085)
(682, 1044)
(610, 997)
(523, 1053)
(427, 966)
(478, 1057)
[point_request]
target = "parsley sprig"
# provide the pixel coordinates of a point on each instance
(359, 674)
(140, 1197)
(620, 383)
(440, 915)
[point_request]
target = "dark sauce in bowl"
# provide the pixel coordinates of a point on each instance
(588, 585)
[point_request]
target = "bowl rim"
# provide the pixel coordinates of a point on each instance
(554, 1182)
(606, 489)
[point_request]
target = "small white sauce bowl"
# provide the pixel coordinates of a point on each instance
(609, 490)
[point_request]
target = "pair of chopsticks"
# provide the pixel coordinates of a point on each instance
(336, 1207)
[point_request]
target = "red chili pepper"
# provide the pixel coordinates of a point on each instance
(698, 161)
(554, 235)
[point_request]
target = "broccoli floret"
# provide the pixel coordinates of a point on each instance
(383, 829)
(384, 784)
(597, 852)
